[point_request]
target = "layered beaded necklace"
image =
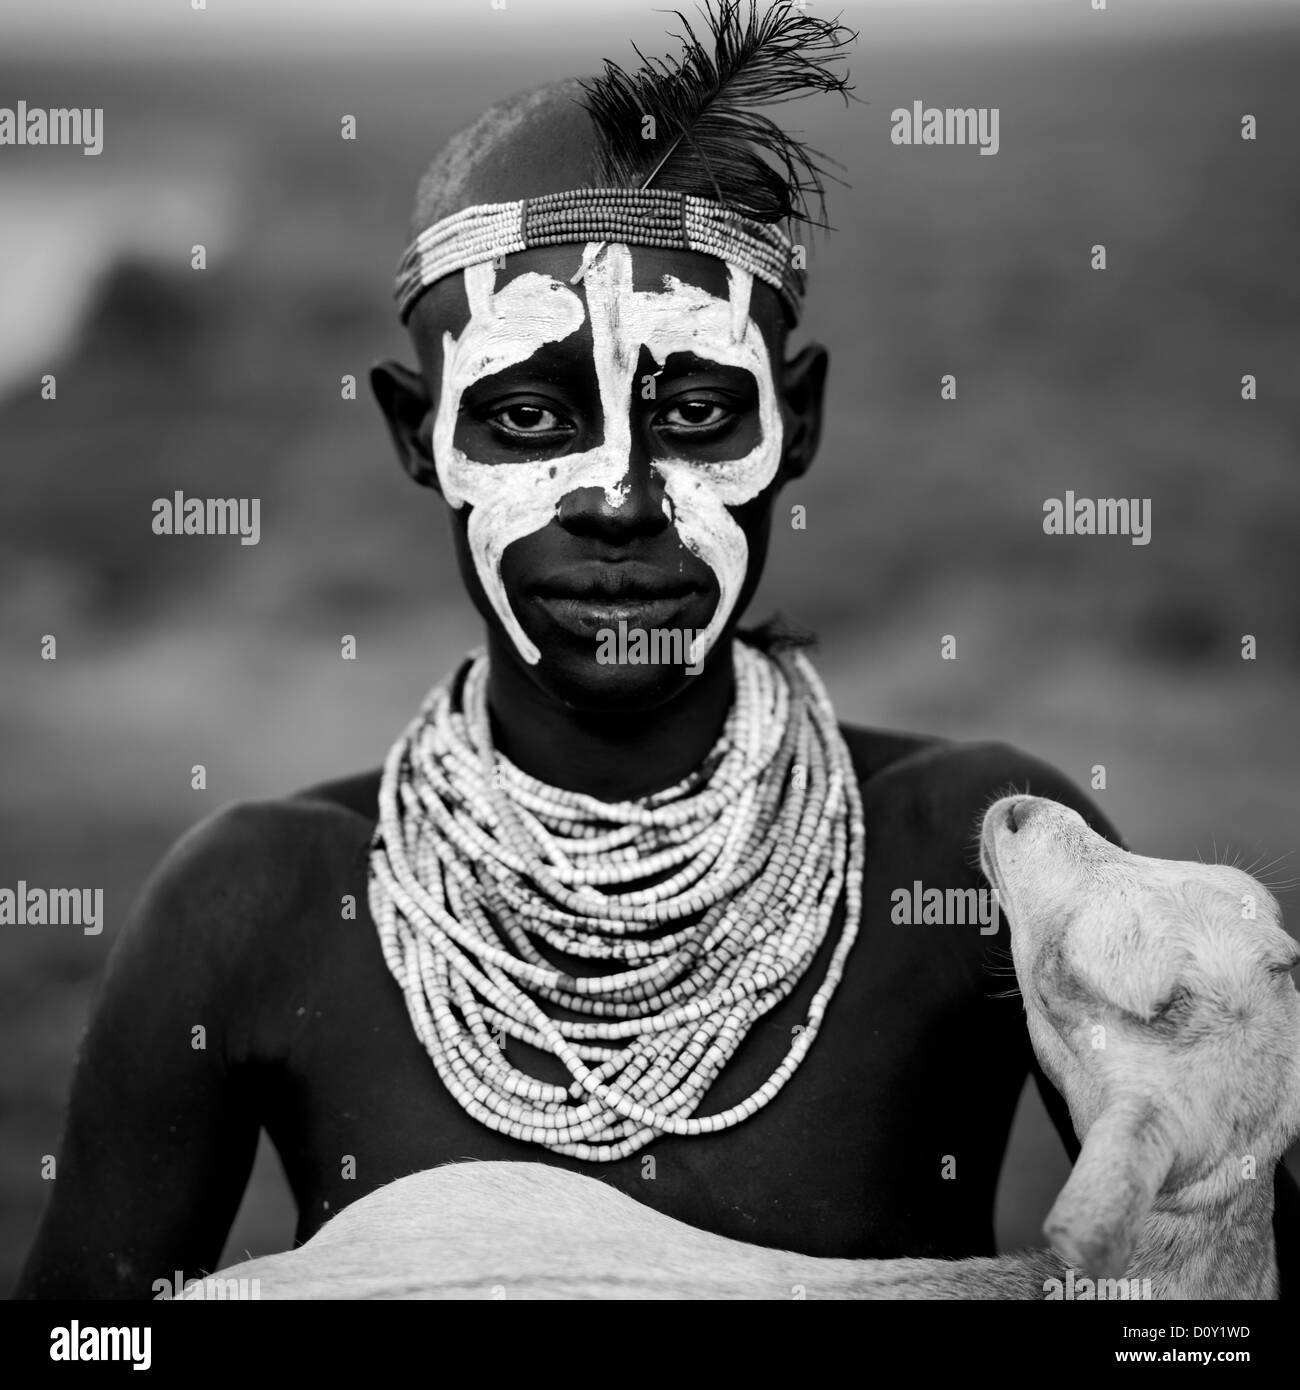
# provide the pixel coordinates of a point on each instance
(711, 898)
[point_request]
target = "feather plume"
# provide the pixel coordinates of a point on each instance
(711, 139)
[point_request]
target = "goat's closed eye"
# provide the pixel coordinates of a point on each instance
(1173, 1007)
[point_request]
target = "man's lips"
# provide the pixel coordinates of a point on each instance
(615, 585)
(585, 599)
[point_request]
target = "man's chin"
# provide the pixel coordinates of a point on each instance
(628, 657)
(582, 682)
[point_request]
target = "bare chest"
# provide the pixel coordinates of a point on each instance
(886, 1141)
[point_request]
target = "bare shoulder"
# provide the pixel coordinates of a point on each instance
(944, 786)
(268, 853)
(239, 886)
(924, 800)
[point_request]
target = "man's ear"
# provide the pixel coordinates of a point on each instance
(404, 399)
(803, 387)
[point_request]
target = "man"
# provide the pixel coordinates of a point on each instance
(629, 914)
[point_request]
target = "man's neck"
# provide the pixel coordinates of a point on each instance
(613, 756)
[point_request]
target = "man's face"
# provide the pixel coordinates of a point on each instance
(611, 450)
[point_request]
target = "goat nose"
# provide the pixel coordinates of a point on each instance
(1018, 813)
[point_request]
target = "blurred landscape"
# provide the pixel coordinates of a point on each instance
(924, 517)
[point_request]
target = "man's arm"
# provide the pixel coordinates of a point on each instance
(159, 1136)
(1286, 1232)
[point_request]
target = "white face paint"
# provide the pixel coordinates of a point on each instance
(512, 500)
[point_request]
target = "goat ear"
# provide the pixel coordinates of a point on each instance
(1130, 962)
(1095, 1222)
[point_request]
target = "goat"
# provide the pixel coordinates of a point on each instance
(1158, 1001)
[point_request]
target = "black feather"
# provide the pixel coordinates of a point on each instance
(710, 138)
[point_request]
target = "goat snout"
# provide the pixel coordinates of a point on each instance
(1011, 814)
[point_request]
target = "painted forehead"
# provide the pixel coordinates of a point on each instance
(445, 306)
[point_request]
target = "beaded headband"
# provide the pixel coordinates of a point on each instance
(638, 216)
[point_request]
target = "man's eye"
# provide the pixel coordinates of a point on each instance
(694, 415)
(522, 419)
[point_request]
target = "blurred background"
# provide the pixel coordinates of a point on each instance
(924, 517)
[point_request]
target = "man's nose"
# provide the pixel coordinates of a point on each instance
(634, 508)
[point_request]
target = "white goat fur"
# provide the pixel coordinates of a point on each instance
(1158, 1001)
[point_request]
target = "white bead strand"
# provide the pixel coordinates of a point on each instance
(711, 898)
